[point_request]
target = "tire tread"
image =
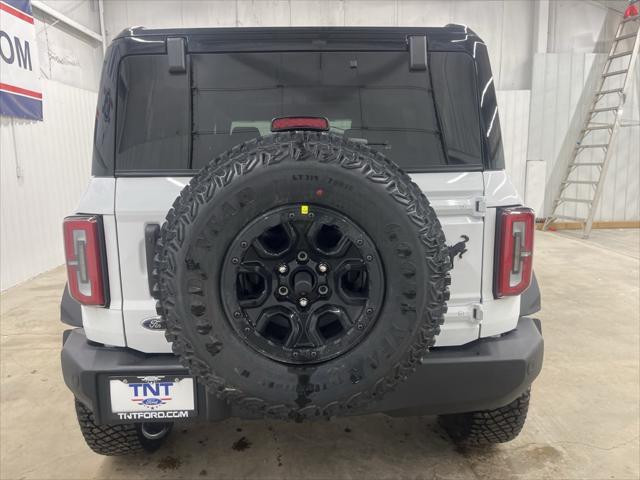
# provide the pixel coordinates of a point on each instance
(487, 427)
(325, 148)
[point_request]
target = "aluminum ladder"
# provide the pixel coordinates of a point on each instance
(584, 178)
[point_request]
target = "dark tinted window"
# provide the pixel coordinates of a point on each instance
(372, 97)
(175, 122)
(454, 84)
(153, 125)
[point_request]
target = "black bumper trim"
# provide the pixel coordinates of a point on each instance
(484, 374)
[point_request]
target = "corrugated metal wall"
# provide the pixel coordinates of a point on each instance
(514, 120)
(557, 92)
(44, 170)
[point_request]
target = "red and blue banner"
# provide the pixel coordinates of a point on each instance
(20, 91)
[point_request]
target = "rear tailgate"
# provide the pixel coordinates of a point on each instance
(457, 197)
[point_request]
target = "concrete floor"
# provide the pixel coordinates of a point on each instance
(583, 423)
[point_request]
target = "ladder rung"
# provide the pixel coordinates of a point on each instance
(620, 54)
(599, 127)
(624, 37)
(604, 109)
(596, 145)
(576, 200)
(630, 19)
(613, 90)
(581, 182)
(588, 164)
(616, 72)
(567, 217)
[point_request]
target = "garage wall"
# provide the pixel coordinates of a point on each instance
(557, 101)
(66, 56)
(44, 169)
(45, 166)
(514, 121)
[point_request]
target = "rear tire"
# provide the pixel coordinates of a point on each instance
(120, 439)
(487, 427)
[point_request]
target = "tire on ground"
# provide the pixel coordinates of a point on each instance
(488, 426)
(113, 440)
(315, 170)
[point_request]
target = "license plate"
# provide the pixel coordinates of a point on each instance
(152, 397)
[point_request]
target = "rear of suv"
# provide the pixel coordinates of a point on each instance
(298, 223)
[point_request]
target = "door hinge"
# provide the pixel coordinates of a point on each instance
(478, 312)
(480, 206)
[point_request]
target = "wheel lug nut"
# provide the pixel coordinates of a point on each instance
(303, 256)
(235, 260)
(282, 290)
(303, 302)
(282, 269)
(323, 268)
(323, 289)
(369, 258)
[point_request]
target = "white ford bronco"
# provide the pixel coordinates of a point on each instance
(298, 223)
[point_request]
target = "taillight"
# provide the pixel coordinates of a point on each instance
(283, 124)
(84, 253)
(514, 250)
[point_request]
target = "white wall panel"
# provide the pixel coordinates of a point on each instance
(559, 99)
(374, 13)
(216, 13)
(263, 13)
(580, 26)
(83, 12)
(306, 13)
(514, 121)
(44, 170)
(63, 55)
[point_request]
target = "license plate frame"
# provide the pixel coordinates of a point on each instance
(151, 398)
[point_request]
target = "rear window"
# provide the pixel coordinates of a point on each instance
(169, 122)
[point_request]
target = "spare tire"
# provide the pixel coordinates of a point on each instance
(301, 275)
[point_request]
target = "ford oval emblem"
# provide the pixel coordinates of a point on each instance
(154, 323)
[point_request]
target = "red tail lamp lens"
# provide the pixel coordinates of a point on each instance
(84, 253)
(284, 124)
(514, 250)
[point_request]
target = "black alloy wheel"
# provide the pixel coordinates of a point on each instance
(308, 284)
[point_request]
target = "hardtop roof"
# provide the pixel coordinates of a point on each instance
(447, 32)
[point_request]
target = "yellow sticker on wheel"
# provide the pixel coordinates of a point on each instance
(304, 209)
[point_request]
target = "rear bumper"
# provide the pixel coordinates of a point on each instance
(484, 374)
